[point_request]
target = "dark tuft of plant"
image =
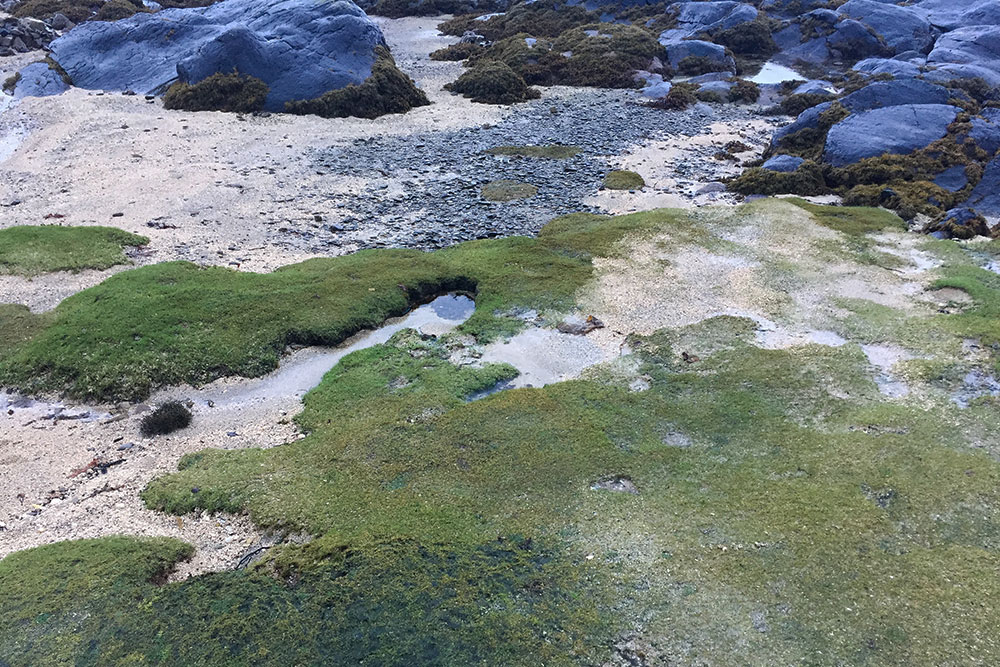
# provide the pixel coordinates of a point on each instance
(744, 91)
(793, 105)
(113, 10)
(220, 92)
(459, 51)
(698, 65)
(386, 90)
(167, 418)
(680, 97)
(493, 82)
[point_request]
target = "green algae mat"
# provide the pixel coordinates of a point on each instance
(742, 504)
(32, 250)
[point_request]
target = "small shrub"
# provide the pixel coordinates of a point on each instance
(736, 147)
(698, 65)
(460, 51)
(622, 179)
(748, 39)
(387, 90)
(169, 417)
(680, 97)
(493, 82)
(744, 91)
(806, 180)
(114, 10)
(220, 92)
(793, 105)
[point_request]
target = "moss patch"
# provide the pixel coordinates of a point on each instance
(508, 190)
(387, 90)
(459, 51)
(31, 250)
(220, 92)
(552, 152)
(622, 179)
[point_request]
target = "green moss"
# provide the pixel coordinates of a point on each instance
(752, 38)
(387, 90)
(552, 152)
(17, 325)
(535, 19)
(622, 179)
(744, 91)
(493, 82)
(31, 250)
(854, 221)
(508, 190)
(220, 92)
(459, 51)
(11, 82)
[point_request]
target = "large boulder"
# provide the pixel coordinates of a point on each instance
(300, 48)
(709, 17)
(952, 14)
(902, 28)
(784, 164)
(894, 93)
(985, 131)
(682, 49)
(897, 130)
(807, 120)
(970, 51)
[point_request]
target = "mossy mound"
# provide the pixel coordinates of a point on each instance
(460, 51)
(508, 190)
(806, 180)
(622, 179)
(553, 152)
(114, 10)
(31, 250)
(387, 90)
(169, 417)
(536, 19)
(78, 11)
(744, 92)
(493, 82)
(220, 92)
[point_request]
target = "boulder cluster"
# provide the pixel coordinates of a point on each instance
(24, 35)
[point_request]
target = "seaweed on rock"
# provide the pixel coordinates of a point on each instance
(493, 82)
(387, 90)
(233, 92)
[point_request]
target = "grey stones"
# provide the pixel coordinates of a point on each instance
(785, 164)
(23, 35)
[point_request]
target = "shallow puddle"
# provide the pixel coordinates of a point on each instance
(772, 73)
(544, 356)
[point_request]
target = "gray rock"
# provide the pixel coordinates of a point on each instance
(300, 48)
(710, 17)
(952, 14)
(952, 179)
(891, 130)
(39, 80)
(902, 28)
(806, 120)
(975, 48)
(986, 130)
(784, 164)
(895, 93)
(679, 49)
(852, 40)
(985, 197)
(816, 87)
(897, 68)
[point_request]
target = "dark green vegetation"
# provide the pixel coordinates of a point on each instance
(493, 82)
(601, 54)
(853, 221)
(386, 90)
(30, 250)
(78, 11)
(552, 152)
(622, 179)
(508, 190)
(459, 51)
(169, 417)
(219, 92)
(680, 97)
(786, 512)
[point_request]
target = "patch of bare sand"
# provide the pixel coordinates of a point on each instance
(212, 188)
